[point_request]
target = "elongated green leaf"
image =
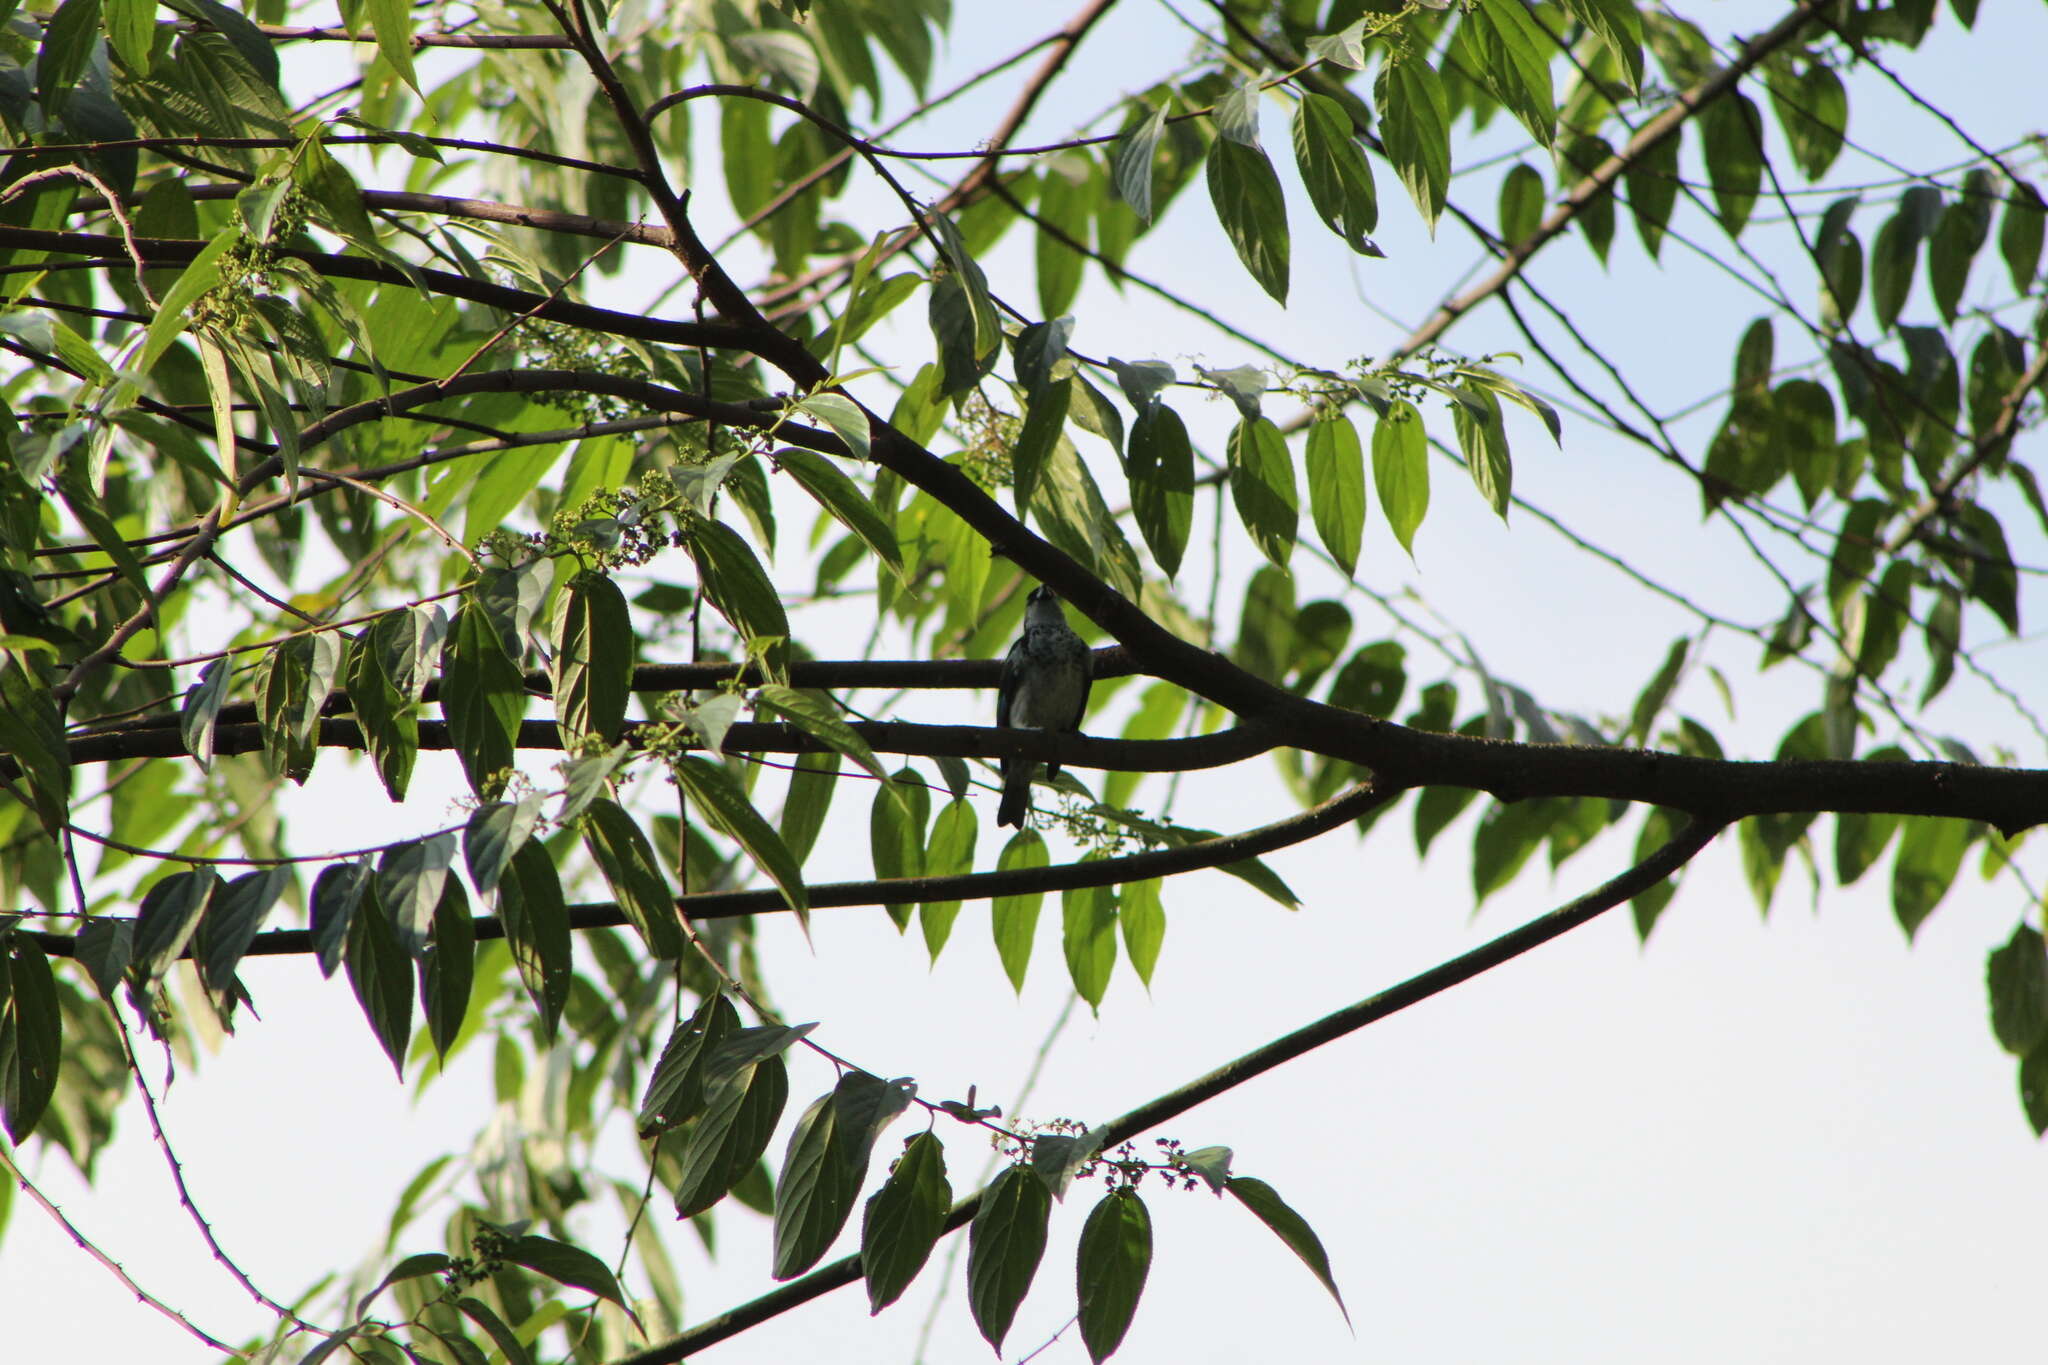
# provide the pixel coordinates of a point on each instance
(1483, 438)
(2020, 230)
(811, 788)
(1262, 485)
(738, 1119)
(903, 1220)
(1930, 853)
(1014, 918)
(1045, 417)
(448, 968)
(1162, 479)
(1088, 916)
(564, 1264)
(390, 728)
(1652, 181)
(1524, 76)
(1134, 155)
(1004, 1244)
(843, 415)
(537, 930)
(840, 496)
(896, 825)
(235, 914)
(719, 797)
(592, 668)
(493, 834)
(1290, 1227)
(675, 1089)
(1110, 1269)
(1521, 202)
(1416, 130)
(950, 853)
(1064, 203)
(31, 1034)
(501, 1334)
(735, 582)
(1400, 470)
(1618, 25)
(409, 882)
(168, 917)
(1143, 919)
(622, 852)
(381, 977)
(1732, 131)
(337, 893)
(813, 714)
(483, 696)
(1813, 108)
(32, 733)
(1335, 171)
(1246, 195)
(824, 1166)
(2017, 979)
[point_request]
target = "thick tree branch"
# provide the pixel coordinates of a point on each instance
(1644, 875)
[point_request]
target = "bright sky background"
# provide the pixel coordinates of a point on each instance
(1766, 1141)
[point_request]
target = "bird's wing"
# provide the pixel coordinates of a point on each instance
(1087, 685)
(1013, 677)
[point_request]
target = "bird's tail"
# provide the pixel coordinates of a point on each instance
(1016, 793)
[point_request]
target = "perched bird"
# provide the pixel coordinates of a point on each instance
(1045, 687)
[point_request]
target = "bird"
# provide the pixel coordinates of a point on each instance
(1046, 678)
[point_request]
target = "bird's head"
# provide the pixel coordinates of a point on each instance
(1043, 607)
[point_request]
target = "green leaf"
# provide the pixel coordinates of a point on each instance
(409, 881)
(167, 919)
(1652, 182)
(844, 416)
(1262, 485)
(1521, 202)
(328, 187)
(1004, 1244)
(1524, 77)
(1088, 936)
(390, 727)
(1620, 27)
(675, 1088)
(1803, 416)
(735, 583)
(131, 28)
(411, 1268)
(824, 1165)
(903, 1220)
(950, 853)
(1045, 417)
(1648, 905)
(69, 40)
(1930, 852)
(592, 669)
(1335, 171)
(391, 21)
(1416, 130)
(2017, 978)
(448, 969)
(537, 930)
(1064, 204)
(502, 1336)
(31, 1034)
(235, 914)
(840, 496)
(1732, 129)
(896, 825)
(1110, 1268)
(812, 785)
(1336, 487)
(1144, 924)
(1014, 918)
(381, 977)
(741, 1106)
(1246, 195)
(337, 892)
(725, 805)
(2019, 236)
(622, 852)
(1161, 470)
(1133, 168)
(493, 834)
(32, 733)
(1484, 441)
(1400, 470)
(1289, 1227)
(564, 1264)
(964, 320)
(483, 695)
(291, 687)
(1813, 109)
(813, 714)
